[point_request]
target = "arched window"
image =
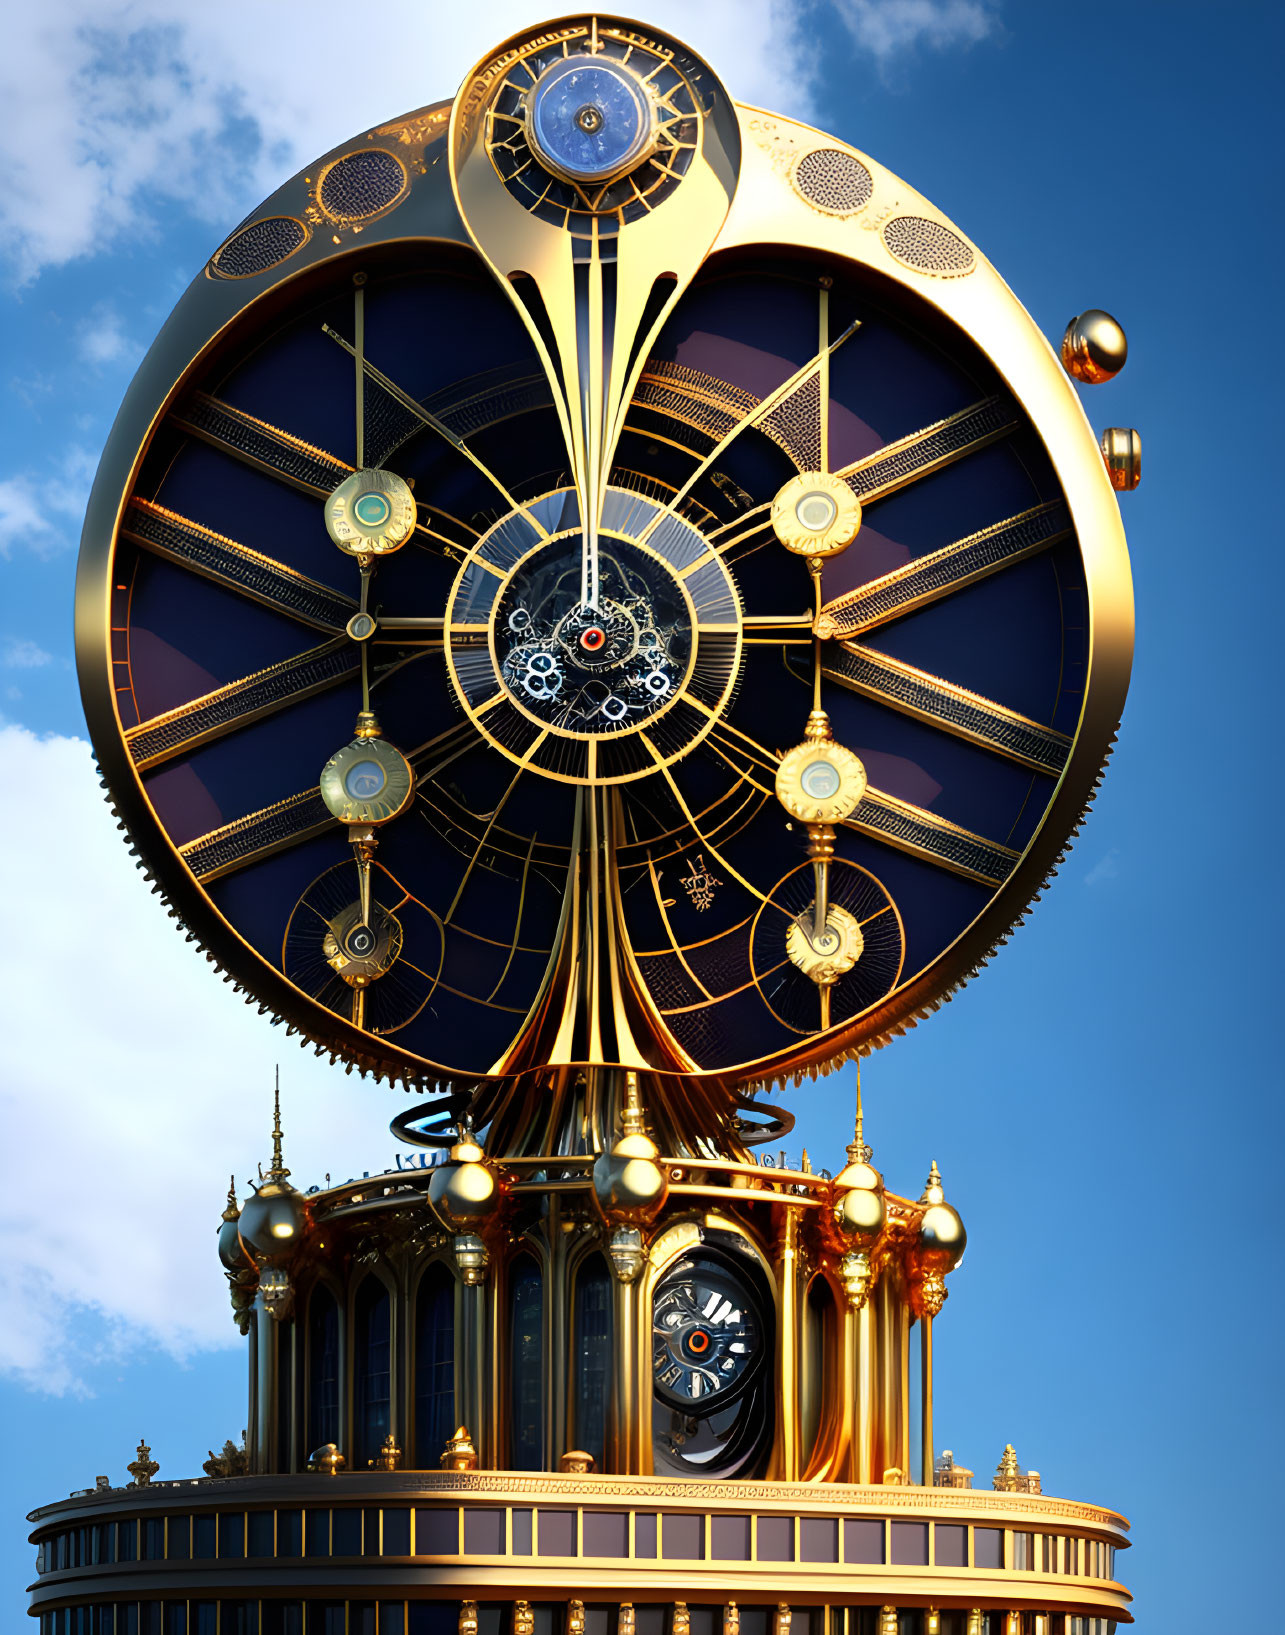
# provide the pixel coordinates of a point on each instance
(323, 1369)
(434, 1366)
(372, 1360)
(817, 1399)
(591, 1356)
(526, 1365)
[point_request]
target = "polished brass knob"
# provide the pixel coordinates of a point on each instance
(1122, 450)
(1094, 348)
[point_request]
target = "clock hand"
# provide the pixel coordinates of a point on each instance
(755, 417)
(359, 358)
(371, 372)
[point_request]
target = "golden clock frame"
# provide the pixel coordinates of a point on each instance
(767, 209)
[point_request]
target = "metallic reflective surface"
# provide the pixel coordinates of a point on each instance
(670, 619)
(1122, 452)
(733, 609)
(1094, 347)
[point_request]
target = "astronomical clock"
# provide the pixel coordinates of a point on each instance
(599, 604)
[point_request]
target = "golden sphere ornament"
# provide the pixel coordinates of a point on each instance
(1094, 348)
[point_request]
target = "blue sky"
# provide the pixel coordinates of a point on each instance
(1104, 1101)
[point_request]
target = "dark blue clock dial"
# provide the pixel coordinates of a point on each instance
(669, 698)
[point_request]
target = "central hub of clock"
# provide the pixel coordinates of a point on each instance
(601, 685)
(594, 669)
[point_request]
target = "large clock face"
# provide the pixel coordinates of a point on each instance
(548, 603)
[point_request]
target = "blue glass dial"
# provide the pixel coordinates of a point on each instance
(589, 120)
(365, 780)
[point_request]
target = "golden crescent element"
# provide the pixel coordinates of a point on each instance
(366, 782)
(816, 514)
(824, 959)
(371, 513)
(361, 962)
(606, 287)
(820, 782)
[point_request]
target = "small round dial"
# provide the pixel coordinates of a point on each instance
(590, 120)
(816, 514)
(820, 782)
(706, 1338)
(371, 513)
(367, 781)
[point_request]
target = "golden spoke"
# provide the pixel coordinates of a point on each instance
(434, 424)
(755, 416)
(943, 572)
(180, 730)
(955, 710)
(236, 567)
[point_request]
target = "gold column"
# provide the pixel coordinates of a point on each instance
(470, 1367)
(903, 1385)
(252, 1406)
(628, 1442)
(491, 1412)
(865, 1394)
(845, 1466)
(926, 1394)
(402, 1416)
(295, 1454)
(786, 1463)
(888, 1432)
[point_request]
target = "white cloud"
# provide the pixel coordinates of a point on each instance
(41, 515)
(101, 337)
(1106, 868)
(133, 1083)
(17, 653)
(21, 516)
(116, 110)
(886, 28)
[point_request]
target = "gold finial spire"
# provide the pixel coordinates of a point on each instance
(933, 1193)
(858, 1152)
(233, 1211)
(1008, 1472)
(142, 1467)
(278, 1171)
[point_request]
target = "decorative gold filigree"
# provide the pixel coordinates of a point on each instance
(700, 883)
(142, 1467)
